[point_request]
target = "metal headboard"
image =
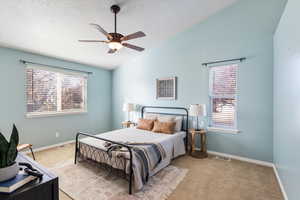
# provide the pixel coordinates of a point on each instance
(186, 115)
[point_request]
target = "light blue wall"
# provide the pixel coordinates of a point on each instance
(287, 98)
(245, 29)
(41, 131)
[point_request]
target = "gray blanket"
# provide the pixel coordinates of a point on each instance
(146, 156)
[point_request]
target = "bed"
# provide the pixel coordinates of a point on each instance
(93, 147)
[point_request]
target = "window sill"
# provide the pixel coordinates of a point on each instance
(53, 114)
(222, 130)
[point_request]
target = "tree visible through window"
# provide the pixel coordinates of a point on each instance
(50, 91)
(72, 92)
(222, 91)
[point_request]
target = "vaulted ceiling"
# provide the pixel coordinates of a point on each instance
(53, 27)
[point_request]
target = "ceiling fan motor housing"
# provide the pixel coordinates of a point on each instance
(116, 37)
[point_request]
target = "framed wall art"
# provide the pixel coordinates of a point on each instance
(166, 88)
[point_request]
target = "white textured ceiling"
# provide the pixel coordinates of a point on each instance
(52, 27)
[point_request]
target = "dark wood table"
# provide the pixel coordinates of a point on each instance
(46, 189)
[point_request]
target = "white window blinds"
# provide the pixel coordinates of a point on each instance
(54, 91)
(222, 92)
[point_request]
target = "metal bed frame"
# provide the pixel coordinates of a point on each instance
(129, 148)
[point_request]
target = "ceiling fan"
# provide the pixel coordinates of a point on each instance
(116, 40)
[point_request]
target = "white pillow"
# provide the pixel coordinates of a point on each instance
(170, 118)
(165, 118)
(150, 116)
(178, 125)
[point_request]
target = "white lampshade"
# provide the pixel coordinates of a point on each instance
(197, 110)
(127, 107)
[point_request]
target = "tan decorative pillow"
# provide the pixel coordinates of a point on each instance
(168, 118)
(164, 127)
(145, 124)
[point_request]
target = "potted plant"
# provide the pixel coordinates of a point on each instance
(8, 154)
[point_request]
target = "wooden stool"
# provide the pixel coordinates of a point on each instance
(203, 151)
(21, 147)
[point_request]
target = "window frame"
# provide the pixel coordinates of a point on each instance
(219, 128)
(59, 112)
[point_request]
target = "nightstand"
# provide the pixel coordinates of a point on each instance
(203, 151)
(45, 189)
(128, 124)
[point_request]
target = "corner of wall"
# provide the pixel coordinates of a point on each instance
(113, 98)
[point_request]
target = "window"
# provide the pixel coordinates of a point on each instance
(223, 96)
(51, 91)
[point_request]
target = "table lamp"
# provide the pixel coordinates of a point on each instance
(128, 107)
(197, 110)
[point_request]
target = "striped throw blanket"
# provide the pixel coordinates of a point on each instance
(146, 156)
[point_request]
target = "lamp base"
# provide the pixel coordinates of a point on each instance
(199, 129)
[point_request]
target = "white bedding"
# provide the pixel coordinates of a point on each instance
(173, 144)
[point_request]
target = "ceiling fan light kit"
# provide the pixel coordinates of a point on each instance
(115, 45)
(116, 40)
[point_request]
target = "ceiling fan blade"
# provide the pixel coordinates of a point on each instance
(92, 41)
(111, 51)
(133, 47)
(99, 28)
(133, 36)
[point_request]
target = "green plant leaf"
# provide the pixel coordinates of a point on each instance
(11, 154)
(12, 149)
(3, 150)
(3, 142)
(14, 135)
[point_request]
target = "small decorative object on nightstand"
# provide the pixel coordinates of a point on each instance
(128, 107)
(203, 151)
(128, 124)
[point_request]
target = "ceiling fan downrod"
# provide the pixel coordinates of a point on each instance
(115, 9)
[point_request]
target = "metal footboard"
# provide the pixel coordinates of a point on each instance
(77, 151)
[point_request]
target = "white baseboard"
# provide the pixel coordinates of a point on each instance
(50, 146)
(258, 162)
(280, 183)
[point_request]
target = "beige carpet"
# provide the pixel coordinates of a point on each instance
(89, 182)
(207, 179)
